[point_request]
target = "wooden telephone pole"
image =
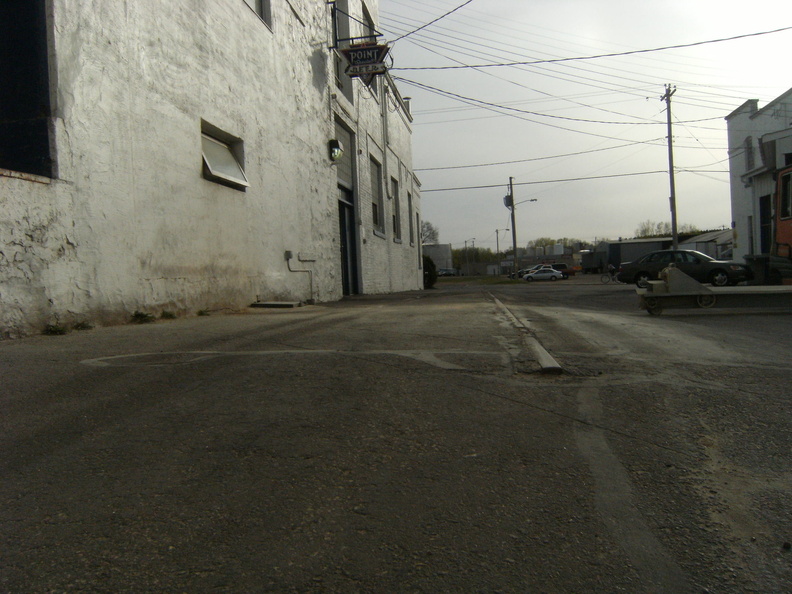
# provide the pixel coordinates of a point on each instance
(513, 224)
(667, 98)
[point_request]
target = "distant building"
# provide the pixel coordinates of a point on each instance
(760, 144)
(179, 156)
(717, 244)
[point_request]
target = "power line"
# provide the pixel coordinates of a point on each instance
(495, 108)
(436, 39)
(587, 80)
(514, 82)
(532, 159)
(547, 181)
(525, 111)
(534, 113)
(432, 22)
(594, 57)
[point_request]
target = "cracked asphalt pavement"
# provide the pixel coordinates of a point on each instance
(408, 443)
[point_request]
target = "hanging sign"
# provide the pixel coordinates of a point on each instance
(365, 59)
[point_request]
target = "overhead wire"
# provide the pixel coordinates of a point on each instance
(596, 84)
(438, 36)
(706, 98)
(566, 76)
(563, 117)
(494, 107)
(597, 56)
(589, 81)
(546, 181)
(434, 21)
(534, 113)
(479, 20)
(514, 82)
(514, 162)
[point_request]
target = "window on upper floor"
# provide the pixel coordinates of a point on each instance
(396, 210)
(410, 218)
(420, 250)
(343, 33)
(377, 202)
(262, 8)
(342, 80)
(25, 108)
(750, 161)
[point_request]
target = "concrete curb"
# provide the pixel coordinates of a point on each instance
(545, 359)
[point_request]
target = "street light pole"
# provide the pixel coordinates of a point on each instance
(497, 239)
(497, 248)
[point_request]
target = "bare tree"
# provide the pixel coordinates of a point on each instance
(662, 229)
(429, 233)
(652, 229)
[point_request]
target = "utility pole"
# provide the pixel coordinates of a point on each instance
(467, 259)
(513, 223)
(667, 98)
(497, 239)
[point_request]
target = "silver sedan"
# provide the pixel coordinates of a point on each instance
(545, 273)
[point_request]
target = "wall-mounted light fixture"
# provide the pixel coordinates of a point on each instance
(336, 149)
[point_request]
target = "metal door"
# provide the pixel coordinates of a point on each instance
(348, 242)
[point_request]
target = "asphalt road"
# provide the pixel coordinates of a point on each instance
(408, 442)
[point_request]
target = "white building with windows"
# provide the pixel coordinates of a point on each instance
(159, 156)
(760, 144)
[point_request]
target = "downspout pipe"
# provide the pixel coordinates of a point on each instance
(289, 255)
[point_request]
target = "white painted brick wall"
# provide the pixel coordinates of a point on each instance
(129, 223)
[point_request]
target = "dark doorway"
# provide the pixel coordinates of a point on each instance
(347, 234)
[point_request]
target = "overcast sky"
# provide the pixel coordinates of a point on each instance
(555, 122)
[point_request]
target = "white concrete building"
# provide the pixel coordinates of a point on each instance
(760, 144)
(175, 156)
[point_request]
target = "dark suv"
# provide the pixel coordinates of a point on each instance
(701, 267)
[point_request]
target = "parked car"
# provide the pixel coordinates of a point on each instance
(701, 267)
(544, 273)
(447, 272)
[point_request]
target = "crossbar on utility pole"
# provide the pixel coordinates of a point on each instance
(667, 98)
